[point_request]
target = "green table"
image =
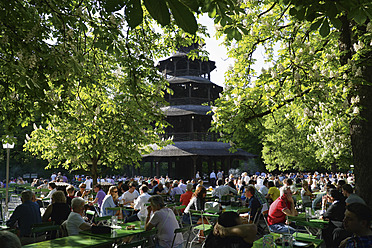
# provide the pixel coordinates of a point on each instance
(119, 233)
(298, 236)
(79, 241)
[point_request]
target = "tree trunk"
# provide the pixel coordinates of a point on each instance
(94, 171)
(361, 127)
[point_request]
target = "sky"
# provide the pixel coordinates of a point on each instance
(218, 53)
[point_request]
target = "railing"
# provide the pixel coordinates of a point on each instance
(195, 136)
(187, 100)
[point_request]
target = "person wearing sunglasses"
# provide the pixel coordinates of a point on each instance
(109, 202)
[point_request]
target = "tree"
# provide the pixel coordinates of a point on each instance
(317, 88)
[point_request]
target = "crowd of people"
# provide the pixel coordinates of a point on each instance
(278, 195)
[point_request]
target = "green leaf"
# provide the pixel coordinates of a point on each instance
(113, 5)
(134, 13)
(292, 11)
(316, 25)
(158, 9)
(183, 16)
(359, 16)
(336, 22)
(324, 29)
(301, 14)
(191, 4)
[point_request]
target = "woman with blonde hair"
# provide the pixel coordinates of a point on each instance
(109, 201)
(59, 210)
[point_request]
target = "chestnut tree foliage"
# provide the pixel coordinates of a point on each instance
(311, 107)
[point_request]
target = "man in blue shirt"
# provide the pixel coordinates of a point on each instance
(26, 214)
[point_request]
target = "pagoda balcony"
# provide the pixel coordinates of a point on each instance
(188, 100)
(194, 136)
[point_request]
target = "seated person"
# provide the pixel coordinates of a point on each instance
(70, 190)
(9, 240)
(164, 220)
(357, 221)
(75, 222)
(222, 190)
(26, 214)
(334, 214)
(53, 188)
(100, 195)
(351, 197)
(230, 232)
(139, 205)
(306, 194)
(279, 209)
(109, 202)
(59, 210)
(252, 202)
(273, 192)
(130, 195)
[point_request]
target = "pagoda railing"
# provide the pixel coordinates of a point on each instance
(187, 100)
(195, 136)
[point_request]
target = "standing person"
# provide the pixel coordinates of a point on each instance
(75, 222)
(212, 178)
(100, 195)
(197, 202)
(219, 175)
(357, 221)
(165, 222)
(26, 214)
(197, 176)
(283, 206)
(109, 202)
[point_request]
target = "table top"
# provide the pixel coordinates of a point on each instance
(118, 233)
(298, 237)
(80, 241)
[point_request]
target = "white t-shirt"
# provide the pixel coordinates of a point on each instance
(165, 221)
(129, 197)
(73, 222)
(140, 202)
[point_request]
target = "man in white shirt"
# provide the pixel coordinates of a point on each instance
(212, 178)
(222, 190)
(182, 185)
(139, 205)
(53, 188)
(88, 183)
(130, 195)
(264, 188)
(75, 222)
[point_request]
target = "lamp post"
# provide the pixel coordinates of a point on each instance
(7, 146)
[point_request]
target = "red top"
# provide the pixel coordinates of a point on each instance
(276, 214)
(185, 198)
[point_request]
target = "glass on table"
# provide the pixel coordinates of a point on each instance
(142, 221)
(114, 221)
(308, 212)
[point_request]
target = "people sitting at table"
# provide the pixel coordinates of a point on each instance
(75, 222)
(59, 210)
(139, 205)
(283, 206)
(25, 215)
(70, 190)
(357, 221)
(273, 192)
(334, 214)
(82, 191)
(351, 197)
(306, 194)
(251, 201)
(130, 195)
(229, 232)
(164, 220)
(100, 195)
(158, 189)
(109, 202)
(222, 189)
(9, 240)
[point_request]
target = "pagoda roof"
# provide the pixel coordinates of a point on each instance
(197, 148)
(179, 110)
(189, 79)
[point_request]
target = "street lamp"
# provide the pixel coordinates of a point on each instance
(7, 146)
